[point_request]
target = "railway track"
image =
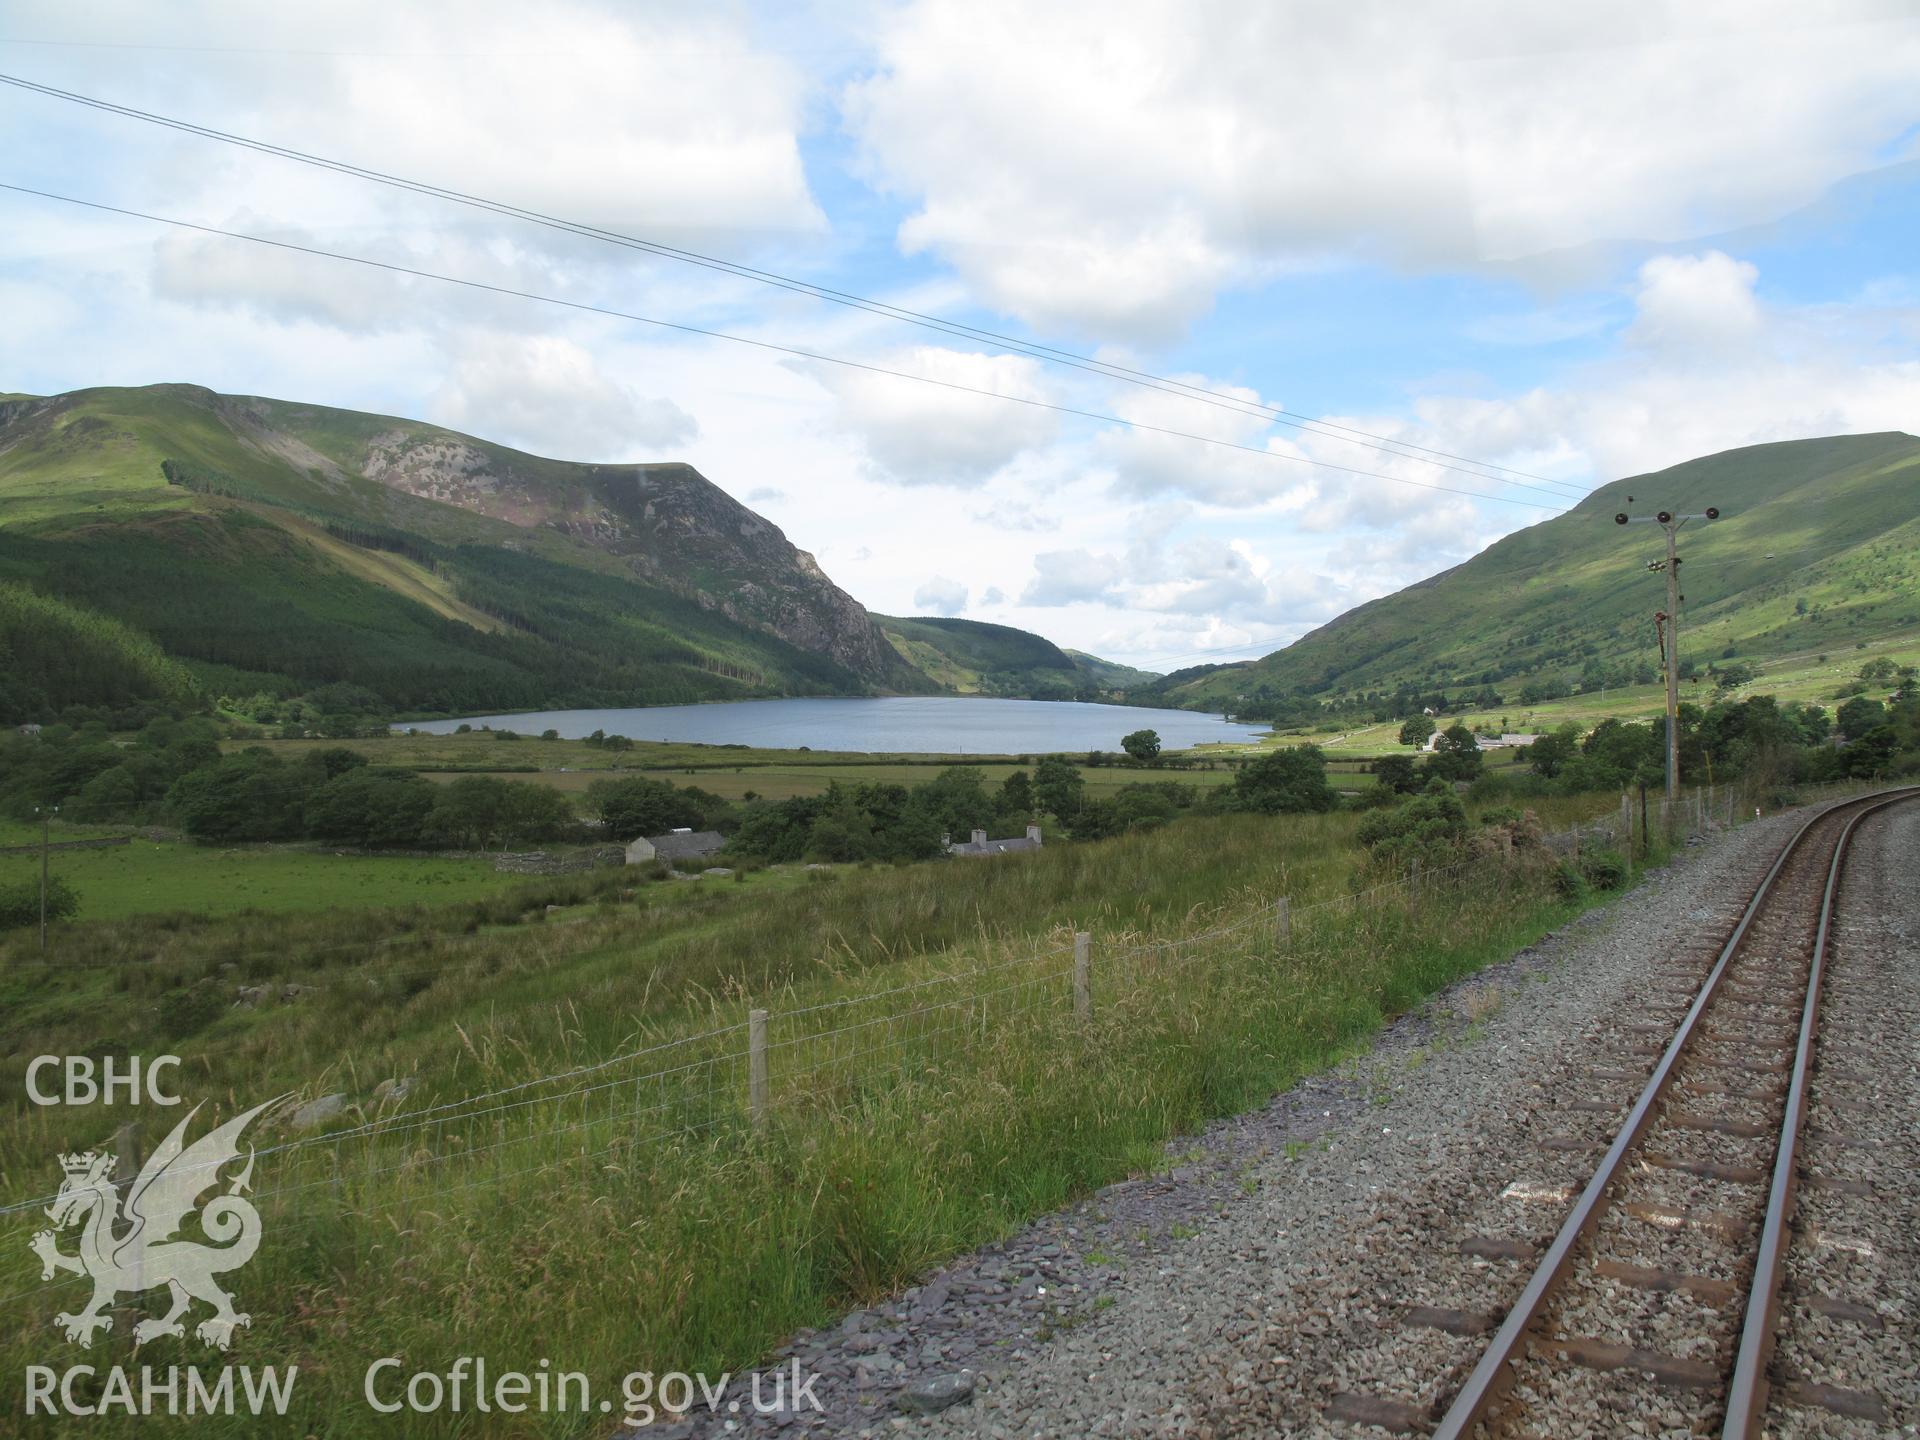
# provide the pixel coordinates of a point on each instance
(1655, 1306)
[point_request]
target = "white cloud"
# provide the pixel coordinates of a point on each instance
(1711, 369)
(1147, 464)
(1017, 515)
(607, 114)
(280, 284)
(1068, 577)
(941, 596)
(1116, 178)
(918, 434)
(548, 395)
(1202, 576)
(993, 595)
(1703, 301)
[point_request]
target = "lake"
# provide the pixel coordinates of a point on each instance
(904, 724)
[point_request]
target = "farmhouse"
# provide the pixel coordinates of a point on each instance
(1488, 742)
(675, 845)
(981, 845)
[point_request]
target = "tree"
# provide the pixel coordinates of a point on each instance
(1416, 730)
(1873, 752)
(372, 807)
(1058, 786)
(470, 813)
(1396, 773)
(1289, 781)
(955, 799)
(1550, 753)
(842, 832)
(249, 796)
(1456, 755)
(636, 807)
(1142, 745)
(1859, 715)
(334, 761)
(1016, 795)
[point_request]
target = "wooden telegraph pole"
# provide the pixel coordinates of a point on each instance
(1669, 620)
(47, 813)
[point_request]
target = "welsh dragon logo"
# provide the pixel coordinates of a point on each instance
(131, 1246)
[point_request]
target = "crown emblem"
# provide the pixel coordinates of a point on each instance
(77, 1164)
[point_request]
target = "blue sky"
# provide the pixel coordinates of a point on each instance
(1578, 242)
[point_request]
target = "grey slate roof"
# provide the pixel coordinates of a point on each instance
(992, 847)
(692, 846)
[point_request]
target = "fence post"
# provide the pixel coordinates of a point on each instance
(1413, 886)
(1626, 821)
(126, 1168)
(757, 1068)
(1082, 975)
(1282, 923)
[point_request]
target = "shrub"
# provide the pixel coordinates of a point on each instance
(20, 904)
(187, 1011)
(1430, 827)
(1568, 883)
(1604, 869)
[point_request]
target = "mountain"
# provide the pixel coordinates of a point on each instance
(1110, 674)
(974, 657)
(277, 547)
(1817, 548)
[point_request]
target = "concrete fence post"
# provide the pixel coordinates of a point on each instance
(1282, 923)
(1083, 976)
(757, 1068)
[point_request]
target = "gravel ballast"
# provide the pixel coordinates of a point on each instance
(1265, 1275)
(1850, 1305)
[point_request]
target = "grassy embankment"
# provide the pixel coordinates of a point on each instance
(627, 1218)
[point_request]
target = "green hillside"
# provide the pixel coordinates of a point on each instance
(1110, 674)
(1817, 550)
(977, 658)
(277, 548)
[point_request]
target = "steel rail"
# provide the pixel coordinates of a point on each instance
(1747, 1391)
(1489, 1378)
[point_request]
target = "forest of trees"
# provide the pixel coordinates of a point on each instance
(238, 603)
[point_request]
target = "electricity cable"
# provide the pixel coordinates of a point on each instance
(1308, 424)
(818, 357)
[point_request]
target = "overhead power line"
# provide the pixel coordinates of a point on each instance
(1307, 424)
(767, 345)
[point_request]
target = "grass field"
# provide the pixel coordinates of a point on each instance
(931, 1089)
(151, 877)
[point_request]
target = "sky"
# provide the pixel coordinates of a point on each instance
(1496, 252)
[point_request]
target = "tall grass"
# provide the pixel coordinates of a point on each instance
(931, 1087)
